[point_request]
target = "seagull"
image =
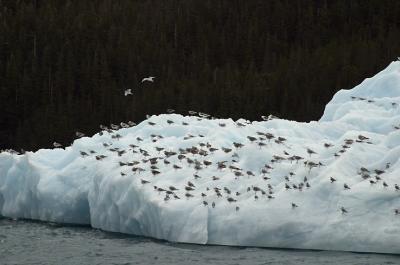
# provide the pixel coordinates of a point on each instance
(251, 138)
(310, 151)
(83, 154)
(103, 127)
(149, 79)
(131, 123)
(79, 134)
(203, 115)
(57, 145)
(127, 92)
(188, 195)
(124, 125)
(190, 184)
(230, 199)
(143, 181)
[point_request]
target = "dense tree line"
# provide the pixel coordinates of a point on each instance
(65, 63)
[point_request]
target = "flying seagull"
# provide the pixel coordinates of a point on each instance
(149, 79)
(128, 92)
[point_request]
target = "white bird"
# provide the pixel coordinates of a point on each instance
(269, 117)
(103, 127)
(128, 92)
(203, 115)
(124, 125)
(114, 127)
(57, 145)
(149, 79)
(131, 123)
(79, 134)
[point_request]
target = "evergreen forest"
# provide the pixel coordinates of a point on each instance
(64, 64)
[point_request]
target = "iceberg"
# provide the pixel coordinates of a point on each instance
(331, 184)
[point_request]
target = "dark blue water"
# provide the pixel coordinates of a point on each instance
(26, 242)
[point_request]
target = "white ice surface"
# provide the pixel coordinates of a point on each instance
(62, 186)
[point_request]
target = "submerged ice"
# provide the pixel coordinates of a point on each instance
(328, 184)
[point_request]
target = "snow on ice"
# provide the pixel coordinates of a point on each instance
(329, 184)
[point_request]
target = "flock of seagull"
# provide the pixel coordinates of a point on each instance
(149, 164)
(148, 159)
(128, 92)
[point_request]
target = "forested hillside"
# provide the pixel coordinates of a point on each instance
(64, 65)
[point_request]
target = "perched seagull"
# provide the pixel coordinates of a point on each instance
(269, 117)
(124, 125)
(143, 181)
(131, 123)
(57, 145)
(203, 115)
(310, 151)
(149, 79)
(103, 127)
(114, 127)
(79, 134)
(128, 92)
